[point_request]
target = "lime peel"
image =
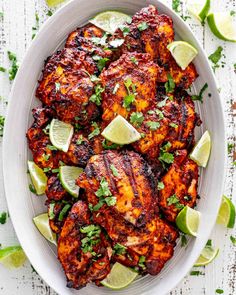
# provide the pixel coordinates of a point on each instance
(12, 257)
(207, 256)
(199, 9)
(226, 215)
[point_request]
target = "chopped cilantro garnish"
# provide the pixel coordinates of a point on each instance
(46, 169)
(3, 217)
(216, 56)
(166, 157)
(142, 26)
(230, 147)
(183, 240)
(219, 291)
(163, 102)
(153, 125)
(160, 114)
(80, 140)
(46, 157)
(49, 13)
(116, 88)
(233, 240)
(176, 5)
(119, 249)
(141, 261)
(173, 125)
(134, 60)
(160, 185)
(51, 210)
(130, 98)
(200, 95)
(170, 84)
(110, 201)
(32, 188)
(2, 121)
(36, 27)
(63, 212)
(57, 86)
(101, 61)
(116, 43)
(2, 69)
(111, 146)
(232, 12)
(91, 239)
(95, 132)
(1, 14)
(195, 273)
(96, 97)
(100, 41)
(114, 170)
(136, 118)
(125, 30)
(51, 147)
(103, 189)
(14, 67)
(174, 200)
(209, 243)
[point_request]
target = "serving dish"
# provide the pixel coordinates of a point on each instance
(23, 206)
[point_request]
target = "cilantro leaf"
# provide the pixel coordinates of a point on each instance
(101, 61)
(174, 200)
(142, 26)
(170, 84)
(119, 249)
(114, 170)
(153, 125)
(3, 217)
(95, 132)
(200, 95)
(216, 56)
(160, 185)
(136, 118)
(233, 240)
(96, 97)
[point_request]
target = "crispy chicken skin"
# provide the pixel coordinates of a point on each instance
(180, 186)
(82, 267)
(129, 180)
(143, 77)
(151, 32)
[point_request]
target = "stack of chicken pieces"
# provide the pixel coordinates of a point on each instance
(129, 198)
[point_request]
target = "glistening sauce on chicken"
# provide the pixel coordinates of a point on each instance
(129, 195)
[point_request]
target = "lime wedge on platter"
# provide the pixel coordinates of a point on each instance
(109, 21)
(183, 53)
(222, 26)
(119, 277)
(68, 176)
(207, 256)
(226, 215)
(42, 223)
(52, 3)
(120, 131)
(12, 257)
(38, 177)
(201, 151)
(199, 8)
(188, 221)
(60, 134)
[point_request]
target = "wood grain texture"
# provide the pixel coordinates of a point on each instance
(15, 35)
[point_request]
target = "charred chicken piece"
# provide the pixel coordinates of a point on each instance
(82, 248)
(122, 182)
(180, 186)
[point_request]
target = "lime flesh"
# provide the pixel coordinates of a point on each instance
(42, 223)
(60, 134)
(222, 26)
(226, 215)
(121, 131)
(52, 3)
(119, 277)
(183, 53)
(188, 221)
(68, 176)
(202, 150)
(109, 21)
(207, 256)
(199, 8)
(12, 257)
(38, 177)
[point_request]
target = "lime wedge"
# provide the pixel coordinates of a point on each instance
(119, 277)
(52, 3)
(199, 8)
(109, 21)
(60, 134)
(38, 177)
(188, 221)
(68, 176)
(42, 223)
(202, 150)
(226, 215)
(222, 26)
(12, 257)
(183, 53)
(120, 131)
(207, 256)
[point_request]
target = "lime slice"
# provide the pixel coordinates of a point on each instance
(52, 3)
(119, 277)
(109, 21)
(207, 256)
(188, 221)
(199, 8)
(68, 176)
(183, 53)
(60, 134)
(38, 177)
(12, 257)
(202, 150)
(222, 26)
(226, 215)
(121, 131)
(42, 223)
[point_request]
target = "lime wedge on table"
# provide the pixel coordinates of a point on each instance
(38, 177)
(183, 53)
(188, 221)
(42, 223)
(52, 3)
(12, 257)
(60, 134)
(199, 8)
(222, 26)
(202, 150)
(68, 176)
(109, 21)
(207, 256)
(226, 215)
(119, 277)
(121, 131)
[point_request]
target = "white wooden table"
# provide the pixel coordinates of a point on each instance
(15, 35)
